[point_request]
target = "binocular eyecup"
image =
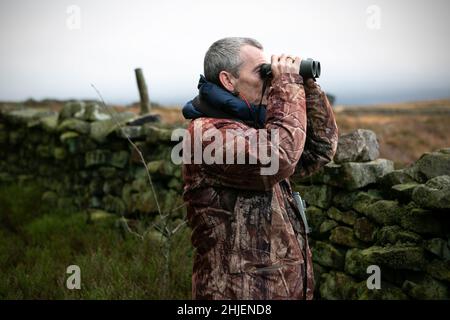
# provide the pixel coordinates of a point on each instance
(309, 68)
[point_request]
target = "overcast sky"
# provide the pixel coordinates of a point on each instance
(370, 51)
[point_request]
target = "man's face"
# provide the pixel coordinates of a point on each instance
(249, 84)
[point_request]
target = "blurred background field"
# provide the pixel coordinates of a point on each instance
(405, 130)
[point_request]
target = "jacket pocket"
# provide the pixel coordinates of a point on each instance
(250, 244)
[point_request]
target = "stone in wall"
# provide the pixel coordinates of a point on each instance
(396, 177)
(431, 165)
(365, 230)
(347, 217)
(70, 109)
(396, 235)
(387, 291)
(132, 132)
(423, 221)
(100, 130)
(328, 255)
(438, 247)
(358, 146)
(316, 195)
(398, 256)
(426, 288)
(403, 192)
(326, 227)
(340, 286)
(337, 286)
(356, 200)
(91, 112)
(439, 269)
(434, 194)
(157, 134)
(76, 125)
(385, 212)
(352, 175)
(345, 236)
(316, 217)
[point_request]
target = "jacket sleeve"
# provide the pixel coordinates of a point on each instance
(286, 115)
(322, 132)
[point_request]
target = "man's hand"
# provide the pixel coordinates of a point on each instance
(285, 64)
(310, 84)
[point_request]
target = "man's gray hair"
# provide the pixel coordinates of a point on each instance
(224, 55)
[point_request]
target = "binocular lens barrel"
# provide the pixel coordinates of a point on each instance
(309, 68)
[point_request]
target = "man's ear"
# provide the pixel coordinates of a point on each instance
(227, 80)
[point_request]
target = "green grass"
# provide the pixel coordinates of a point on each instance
(38, 244)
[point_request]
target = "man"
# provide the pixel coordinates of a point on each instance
(250, 242)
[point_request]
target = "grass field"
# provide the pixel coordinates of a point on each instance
(38, 244)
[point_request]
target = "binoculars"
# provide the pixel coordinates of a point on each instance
(309, 68)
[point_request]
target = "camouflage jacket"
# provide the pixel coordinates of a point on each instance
(249, 241)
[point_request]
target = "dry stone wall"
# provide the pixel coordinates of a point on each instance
(83, 158)
(364, 213)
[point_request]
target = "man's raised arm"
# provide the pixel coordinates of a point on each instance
(321, 132)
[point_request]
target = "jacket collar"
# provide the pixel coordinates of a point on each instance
(216, 102)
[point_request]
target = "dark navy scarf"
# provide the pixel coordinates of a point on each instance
(216, 102)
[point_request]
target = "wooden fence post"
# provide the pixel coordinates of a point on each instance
(143, 92)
